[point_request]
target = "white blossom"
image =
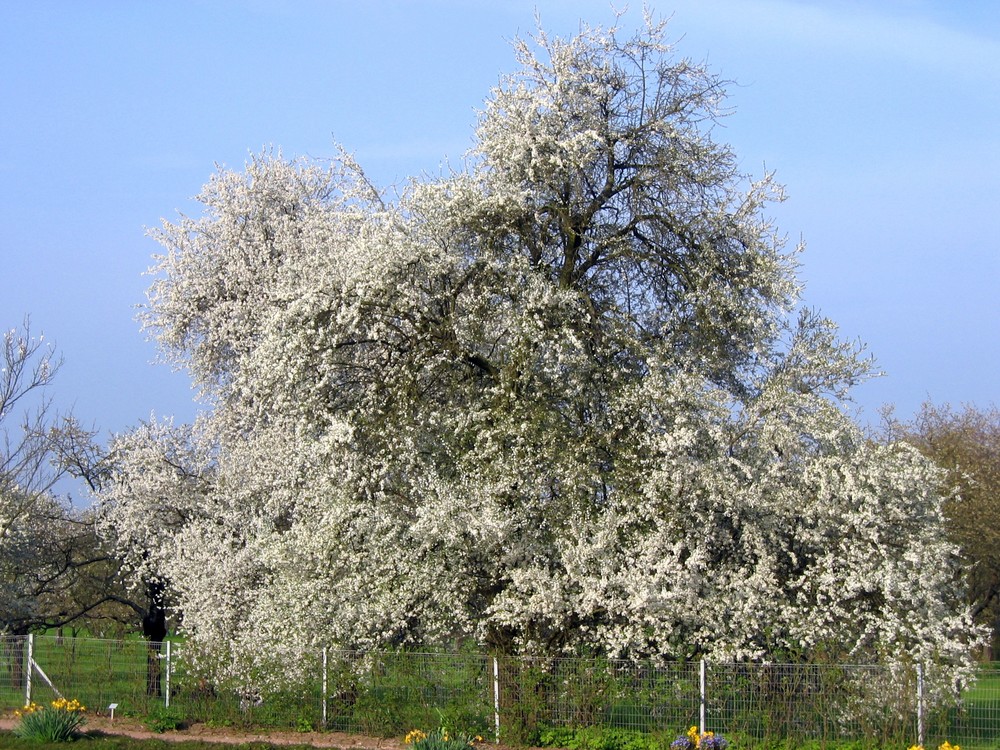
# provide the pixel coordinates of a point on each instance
(556, 402)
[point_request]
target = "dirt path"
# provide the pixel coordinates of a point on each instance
(228, 735)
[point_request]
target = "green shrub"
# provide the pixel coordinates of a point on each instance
(599, 738)
(809, 744)
(60, 721)
(161, 719)
(302, 724)
(556, 737)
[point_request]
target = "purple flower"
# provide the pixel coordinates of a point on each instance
(713, 742)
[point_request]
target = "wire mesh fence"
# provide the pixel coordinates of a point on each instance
(799, 702)
(515, 699)
(96, 672)
(595, 692)
(975, 720)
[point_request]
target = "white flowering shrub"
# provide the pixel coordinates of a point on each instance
(558, 402)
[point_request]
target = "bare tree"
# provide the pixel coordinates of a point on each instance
(26, 473)
(49, 550)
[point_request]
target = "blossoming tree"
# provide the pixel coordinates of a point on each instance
(560, 400)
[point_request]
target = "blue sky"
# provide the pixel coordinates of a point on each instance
(880, 118)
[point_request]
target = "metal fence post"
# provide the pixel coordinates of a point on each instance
(166, 697)
(323, 712)
(701, 711)
(496, 699)
(920, 705)
(27, 671)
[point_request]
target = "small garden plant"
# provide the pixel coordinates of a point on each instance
(692, 740)
(943, 746)
(60, 721)
(161, 719)
(440, 739)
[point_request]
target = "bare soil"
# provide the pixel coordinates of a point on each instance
(228, 735)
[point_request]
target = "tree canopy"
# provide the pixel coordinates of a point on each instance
(966, 443)
(562, 400)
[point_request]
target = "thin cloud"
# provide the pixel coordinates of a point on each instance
(852, 30)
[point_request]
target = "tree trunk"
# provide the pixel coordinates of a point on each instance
(154, 629)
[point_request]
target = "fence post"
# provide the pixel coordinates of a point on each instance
(27, 670)
(323, 712)
(920, 705)
(166, 697)
(496, 699)
(701, 711)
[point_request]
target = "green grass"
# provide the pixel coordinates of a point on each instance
(987, 687)
(976, 724)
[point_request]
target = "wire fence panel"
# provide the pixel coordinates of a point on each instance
(12, 672)
(388, 694)
(95, 672)
(538, 693)
(381, 694)
(525, 700)
(766, 702)
(975, 720)
(393, 693)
